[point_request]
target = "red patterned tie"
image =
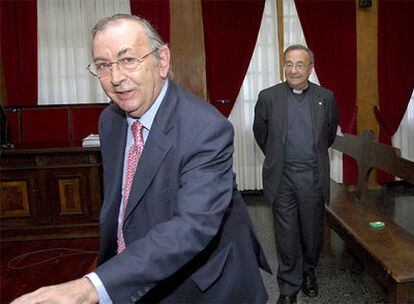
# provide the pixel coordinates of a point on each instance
(133, 157)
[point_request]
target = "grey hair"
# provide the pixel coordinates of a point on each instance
(301, 48)
(154, 38)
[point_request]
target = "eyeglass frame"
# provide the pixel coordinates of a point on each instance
(290, 65)
(140, 60)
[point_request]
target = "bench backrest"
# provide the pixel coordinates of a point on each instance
(370, 154)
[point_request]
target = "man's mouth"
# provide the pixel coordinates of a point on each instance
(125, 94)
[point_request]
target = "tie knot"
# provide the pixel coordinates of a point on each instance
(137, 132)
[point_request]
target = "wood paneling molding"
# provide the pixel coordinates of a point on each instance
(280, 35)
(14, 199)
(69, 193)
(50, 193)
(367, 71)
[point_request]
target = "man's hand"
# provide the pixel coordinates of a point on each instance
(77, 291)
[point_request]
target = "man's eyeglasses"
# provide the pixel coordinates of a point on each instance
(298, 65)
(128, 64)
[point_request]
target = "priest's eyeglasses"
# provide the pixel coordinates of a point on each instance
(298, 65)
(103, 68)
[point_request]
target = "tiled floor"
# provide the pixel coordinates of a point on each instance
(341, 278)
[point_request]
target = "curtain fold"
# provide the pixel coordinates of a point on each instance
(262, 73)
(230, 33)
(157, 12)
(395, 68)
(19, 51)
(330, 31)
(293, 34)
(404, 137)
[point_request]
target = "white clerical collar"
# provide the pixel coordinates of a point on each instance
(299, 92)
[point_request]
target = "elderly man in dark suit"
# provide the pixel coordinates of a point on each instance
(295, 123)
(174, 228)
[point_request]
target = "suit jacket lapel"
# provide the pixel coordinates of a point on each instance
(118, 158)
(282, 113)
(156, 148)
(118, 139)
(316, 106)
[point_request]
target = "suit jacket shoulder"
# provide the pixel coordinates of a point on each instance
(194, 107)
(321, 90)
(184, 110)
(281, 87)
(274, 90)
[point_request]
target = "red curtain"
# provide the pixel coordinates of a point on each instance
(19, 51)
(230, 34)
(330, 32)
(395, 67)
(157, 12)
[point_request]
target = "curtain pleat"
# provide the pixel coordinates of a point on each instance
(19, 51)
(157, 12)
(395, 68)
(230, 33)
(263, 72)
(330, 31)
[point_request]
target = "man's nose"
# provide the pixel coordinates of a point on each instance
(117, 75)
(294, 69)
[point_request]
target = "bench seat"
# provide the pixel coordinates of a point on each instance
(388, 252)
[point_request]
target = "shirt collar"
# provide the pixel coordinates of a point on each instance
(148, 118)
(298, 92)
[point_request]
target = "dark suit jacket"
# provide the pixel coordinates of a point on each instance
(188, 235)
(270, 124)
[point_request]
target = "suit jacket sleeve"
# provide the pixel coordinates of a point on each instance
(205, 188)
(260, 124)
(333, 121)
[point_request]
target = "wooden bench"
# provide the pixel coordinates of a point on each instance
(388, 252)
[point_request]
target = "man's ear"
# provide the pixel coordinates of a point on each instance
(164, 62)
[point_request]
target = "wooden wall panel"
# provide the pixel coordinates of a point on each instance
(14, 199)
(50, 193)
(187, 46)
(367, 72)
(69, 193)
